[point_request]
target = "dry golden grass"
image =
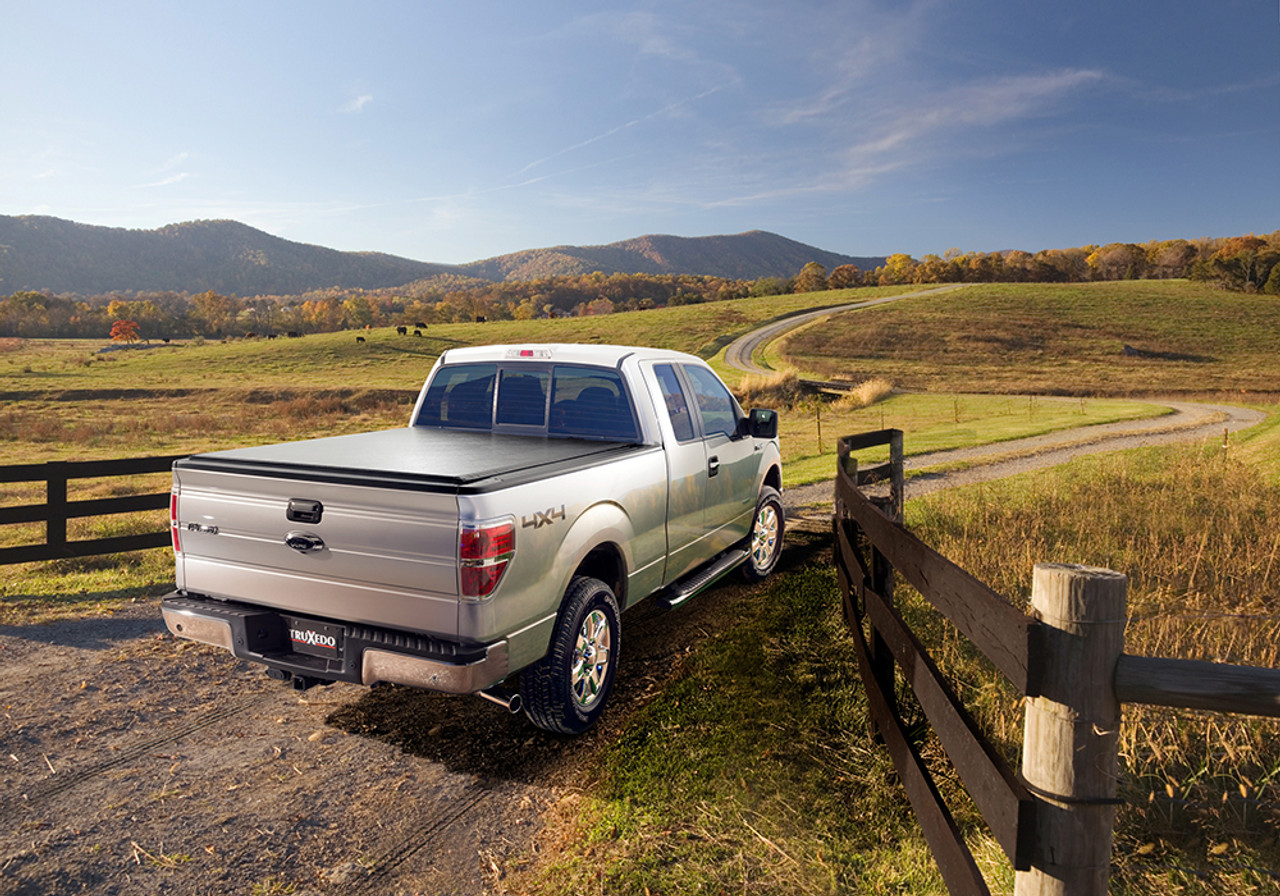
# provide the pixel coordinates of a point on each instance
(1196, 532)
(865, 394)
(777, 390)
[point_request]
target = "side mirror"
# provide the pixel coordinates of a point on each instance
(762, 424)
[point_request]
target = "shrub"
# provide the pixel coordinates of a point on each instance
(783, 389)
(865, 394)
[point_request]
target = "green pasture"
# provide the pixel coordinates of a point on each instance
(1045, 338)
(384, 360)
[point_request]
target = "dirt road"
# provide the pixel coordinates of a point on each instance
(134, 763)
(1187, 422)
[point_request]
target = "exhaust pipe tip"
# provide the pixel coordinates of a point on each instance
(509, 700)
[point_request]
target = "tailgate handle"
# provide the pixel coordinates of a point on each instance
(304, 542)
(302, 510)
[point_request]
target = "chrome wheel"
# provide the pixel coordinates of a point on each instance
(591, 657)
(764, 544)
(567, 690)
(764, 537)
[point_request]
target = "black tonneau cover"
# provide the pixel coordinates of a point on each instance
(415, 458)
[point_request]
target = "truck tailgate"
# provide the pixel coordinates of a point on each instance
(372, 519)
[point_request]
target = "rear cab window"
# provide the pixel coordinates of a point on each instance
(558, 400)
(460, 397)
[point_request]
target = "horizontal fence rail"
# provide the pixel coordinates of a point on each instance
(1054, 819)
(57, 510)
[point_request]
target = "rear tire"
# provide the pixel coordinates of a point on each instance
(566, 691)
(764, 544)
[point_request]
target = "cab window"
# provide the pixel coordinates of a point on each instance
(590, 403)
(715, 405)
(460, 396)
(677, 405)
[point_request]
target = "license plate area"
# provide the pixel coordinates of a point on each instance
(313, 638)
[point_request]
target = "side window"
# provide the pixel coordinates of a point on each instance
(677, 405)
(715, 404)
(460, 396)
(590, 403)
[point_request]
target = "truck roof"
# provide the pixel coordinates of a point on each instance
(594, 355)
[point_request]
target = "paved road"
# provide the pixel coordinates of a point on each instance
(1188, 422)
(739, 353)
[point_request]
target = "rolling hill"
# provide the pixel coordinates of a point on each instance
(45, 253)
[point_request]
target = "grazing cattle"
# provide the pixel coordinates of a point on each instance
(420, 325)
(166, 340)
(271, 335)
(417, 332)
(480, 318)
(251, 335)
(400, 331)
(359, 339)
(293, 334)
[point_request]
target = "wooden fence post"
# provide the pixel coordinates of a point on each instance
(1071, 735)
(56, 500)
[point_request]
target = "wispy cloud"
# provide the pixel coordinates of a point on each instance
(635, 122)
(168, 172)
(959, 120)
(356, 105)
(177, 178)
(919, 129)
(174, 161)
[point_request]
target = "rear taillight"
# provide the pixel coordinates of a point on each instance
(484, 550)
(173, 521)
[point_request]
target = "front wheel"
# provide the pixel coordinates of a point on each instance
(566, 690)
(764, 545)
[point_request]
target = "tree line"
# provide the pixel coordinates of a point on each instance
(1245, 263)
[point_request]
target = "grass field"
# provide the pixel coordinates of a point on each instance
(1057, 339)
(753, 771)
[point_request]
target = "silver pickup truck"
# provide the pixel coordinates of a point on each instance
(537, 491)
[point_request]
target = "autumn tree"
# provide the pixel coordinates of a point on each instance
(812, 278)
(1245, 262)
(845, 276)
(1118, 261)
(898, 268)
(213, 314)
(125, 331)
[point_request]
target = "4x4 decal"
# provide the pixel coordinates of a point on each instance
(542, 518)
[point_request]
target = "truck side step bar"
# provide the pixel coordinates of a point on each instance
(702, 578)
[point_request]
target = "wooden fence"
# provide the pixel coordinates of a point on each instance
(1053, 819)
(56, 510)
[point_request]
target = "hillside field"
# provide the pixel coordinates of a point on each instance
(1135, 337)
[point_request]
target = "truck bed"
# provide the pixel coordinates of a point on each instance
(414, 458)
(387, 527)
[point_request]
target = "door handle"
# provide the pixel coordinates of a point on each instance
(713, 466)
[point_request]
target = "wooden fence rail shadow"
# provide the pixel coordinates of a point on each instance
(1053, 819)
(57, 510)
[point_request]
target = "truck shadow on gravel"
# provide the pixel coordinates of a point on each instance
(90, 633)
(471, 736)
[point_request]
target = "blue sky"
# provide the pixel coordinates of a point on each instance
(452, 132)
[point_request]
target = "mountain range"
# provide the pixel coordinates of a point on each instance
(45, 253)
